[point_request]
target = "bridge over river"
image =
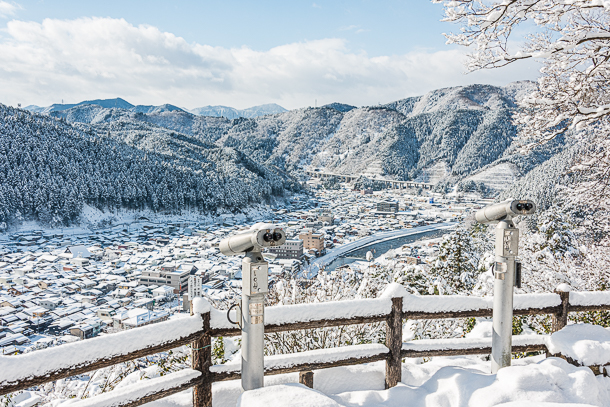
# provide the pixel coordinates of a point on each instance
(388, 182)
(375, 239)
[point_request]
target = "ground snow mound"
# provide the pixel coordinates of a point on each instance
(292, 394)
(551, 381)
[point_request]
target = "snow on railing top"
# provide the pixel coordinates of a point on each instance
(288, 314)
(590, 298)
(14, 369)
(328, 311)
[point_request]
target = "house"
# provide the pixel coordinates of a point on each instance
(292, 249)
(78, 251)
(312, 240)
(387, 207)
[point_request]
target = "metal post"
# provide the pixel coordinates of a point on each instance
(254, 287)
(507, 243)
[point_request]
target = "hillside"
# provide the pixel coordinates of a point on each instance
(444, 137)
(49, 169)
(118, 103)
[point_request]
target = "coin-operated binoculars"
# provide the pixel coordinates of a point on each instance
(507, 274)
(255, 284)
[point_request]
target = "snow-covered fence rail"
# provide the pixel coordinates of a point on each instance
(24, 371)
(31, 369)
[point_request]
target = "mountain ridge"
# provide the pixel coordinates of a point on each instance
(119, 103)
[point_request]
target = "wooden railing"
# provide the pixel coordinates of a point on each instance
(24, 371)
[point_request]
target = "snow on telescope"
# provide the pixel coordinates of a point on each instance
(505, 210)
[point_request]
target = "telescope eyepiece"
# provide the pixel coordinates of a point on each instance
(269, 237)
(507, 209)
(277, 236)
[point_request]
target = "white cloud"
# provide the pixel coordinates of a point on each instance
(7, 9)
(87, 58)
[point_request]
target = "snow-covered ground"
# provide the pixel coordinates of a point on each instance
(441, 382)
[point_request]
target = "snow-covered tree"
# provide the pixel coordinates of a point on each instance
(572, 40)
(459, 263)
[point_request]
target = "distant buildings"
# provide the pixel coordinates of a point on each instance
(326, 216)
(292, 249)
(169, 275)
(387, 206)
(312, 241)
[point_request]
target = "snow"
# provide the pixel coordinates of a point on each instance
(312, 356)
(292, 394)
(139, 390)
(587, 344)
(394, 290)
(456, 303)
(590, 298)
(468, 343)
(552, 380)
(563, 287)
(201, 305)
(16, 368)
(442, 382)
(286, 314)
(538, 300)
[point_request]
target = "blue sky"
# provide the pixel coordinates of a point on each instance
(195, 53)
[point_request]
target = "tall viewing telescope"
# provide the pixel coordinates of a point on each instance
(255, 284)
(507, 273)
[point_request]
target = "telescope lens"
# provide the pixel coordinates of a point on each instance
(277, 236)
(520, 207)
(528, 206)
(268, 237)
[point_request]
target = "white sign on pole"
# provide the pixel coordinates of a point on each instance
(195, 287)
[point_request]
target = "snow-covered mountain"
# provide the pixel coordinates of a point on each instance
(232, 113)
(49, 169)
(118, 103)
(444, 137)
(107, 103)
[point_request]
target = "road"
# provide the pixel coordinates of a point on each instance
(376, 238)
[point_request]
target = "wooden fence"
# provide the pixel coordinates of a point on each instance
(24, 371)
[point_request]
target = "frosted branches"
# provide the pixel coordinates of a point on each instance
(572, 38)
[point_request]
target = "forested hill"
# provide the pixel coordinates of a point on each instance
(49, 169)
(452, 135)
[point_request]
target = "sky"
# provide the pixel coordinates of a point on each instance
(232, 53)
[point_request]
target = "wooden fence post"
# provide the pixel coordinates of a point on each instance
(393, 340)
(201, 359)
(306, 378)
(560, 318)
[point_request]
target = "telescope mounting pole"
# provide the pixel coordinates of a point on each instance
(254, 287)
(507, 243)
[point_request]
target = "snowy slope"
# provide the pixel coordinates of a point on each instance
(232, 113)
(445, 136)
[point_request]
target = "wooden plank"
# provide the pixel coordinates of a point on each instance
(223, 376)
(393, 341)
(271, 328)
(98, 364)
(588, 308)
(306, 378)
(201, 360)
(477, 313)
(560, 318)
(468, 351)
